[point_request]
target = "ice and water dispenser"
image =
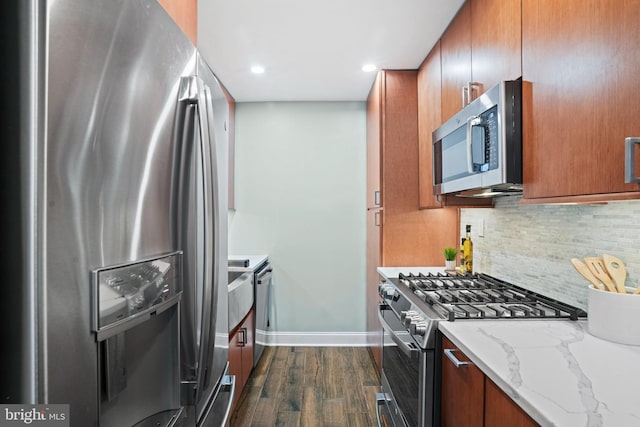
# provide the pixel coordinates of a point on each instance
(136, 321)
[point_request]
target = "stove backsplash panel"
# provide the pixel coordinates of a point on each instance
(532, 245)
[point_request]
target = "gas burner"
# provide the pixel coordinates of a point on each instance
(479, 296)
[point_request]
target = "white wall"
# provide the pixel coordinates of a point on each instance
(300, 185)
(532, 245)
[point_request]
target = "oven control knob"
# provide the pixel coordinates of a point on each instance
(387, 291)
(406, 313)
(418, 328)
(412, 318)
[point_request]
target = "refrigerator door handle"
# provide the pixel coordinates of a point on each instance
(211, 231)
(185, 158)
(196, 95)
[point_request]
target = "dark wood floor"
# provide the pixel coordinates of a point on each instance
(310, 386)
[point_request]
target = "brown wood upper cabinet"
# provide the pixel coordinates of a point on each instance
(185, 14)
(429, 118)
(481, 47)
(582, 60)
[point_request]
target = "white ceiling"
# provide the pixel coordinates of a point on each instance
(314, 51)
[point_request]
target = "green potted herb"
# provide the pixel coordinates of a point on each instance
(450, 258)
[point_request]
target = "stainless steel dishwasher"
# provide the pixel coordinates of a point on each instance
(262, 292)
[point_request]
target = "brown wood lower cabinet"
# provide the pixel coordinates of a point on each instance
(241, 341)
(462, 390)
(500, 410)
(470, 398)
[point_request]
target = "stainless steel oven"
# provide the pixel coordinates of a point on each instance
(408, 363)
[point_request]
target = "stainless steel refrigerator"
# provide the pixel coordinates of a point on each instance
(114, 231)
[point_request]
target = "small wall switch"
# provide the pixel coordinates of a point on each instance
(481, 228)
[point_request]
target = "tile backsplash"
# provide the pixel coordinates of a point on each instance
(532, 245)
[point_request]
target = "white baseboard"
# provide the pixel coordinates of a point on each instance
(312, 339)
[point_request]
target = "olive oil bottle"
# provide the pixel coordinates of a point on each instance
(462, 266)
(467, 253)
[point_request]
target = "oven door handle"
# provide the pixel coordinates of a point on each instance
(407, 348)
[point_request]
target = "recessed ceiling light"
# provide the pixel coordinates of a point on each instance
(257, 69)
(367, 68)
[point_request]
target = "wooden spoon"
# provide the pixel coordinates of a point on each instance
(586, 273)
(596, 265)
(616, 269)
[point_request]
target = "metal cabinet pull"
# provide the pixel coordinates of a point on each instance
(629, 161)
(457, 363)
(467, 92)
(376, 217)
(242, 337)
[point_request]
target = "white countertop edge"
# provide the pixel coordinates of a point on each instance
(389, 272)
(255, 261)
(531, 410)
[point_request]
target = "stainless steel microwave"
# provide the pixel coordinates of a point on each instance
(478, 152)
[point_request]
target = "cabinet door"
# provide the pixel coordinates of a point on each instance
(501, 411)
(374, 329)
(582, 61)
(481, 45)
(374, 216)
(248, 328)
(462, 390)
(496, 41)
(455, 45)
(373, 142)
(241, 344)
(429, 118)
(235, 364)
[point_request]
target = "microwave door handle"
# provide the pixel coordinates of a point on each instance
(471, 122)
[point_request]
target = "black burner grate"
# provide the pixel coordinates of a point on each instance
(478, 296)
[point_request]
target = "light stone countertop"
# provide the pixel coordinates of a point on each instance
(558, 373)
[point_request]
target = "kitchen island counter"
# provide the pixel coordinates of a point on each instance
(554, 369)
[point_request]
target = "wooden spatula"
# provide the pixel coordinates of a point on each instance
(586, 273)
(616, 269)
(596, 265)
